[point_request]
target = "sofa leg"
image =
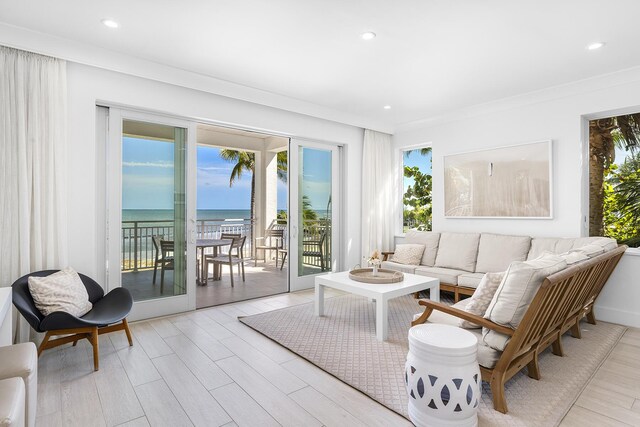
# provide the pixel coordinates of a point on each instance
(456, 295)
(556, 347)
(497, 389)
(533, 369)
(575, 330)
(94, 343)
(127, 331)
(591, 318)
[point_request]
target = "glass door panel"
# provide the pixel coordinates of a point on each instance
(153, 210)
(313, 204)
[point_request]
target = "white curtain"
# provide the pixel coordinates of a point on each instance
(33, 153)
(379, 192)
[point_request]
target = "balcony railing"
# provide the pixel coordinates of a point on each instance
(139, 253)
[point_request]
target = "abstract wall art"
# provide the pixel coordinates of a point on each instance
(505, 182)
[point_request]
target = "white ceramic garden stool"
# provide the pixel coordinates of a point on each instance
(442, 376)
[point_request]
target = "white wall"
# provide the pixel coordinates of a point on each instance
(88, 85)
(555, 114)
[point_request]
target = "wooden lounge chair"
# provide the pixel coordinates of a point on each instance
(558, 306)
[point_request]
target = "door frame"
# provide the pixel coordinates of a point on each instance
(297, 282)
(159, 306)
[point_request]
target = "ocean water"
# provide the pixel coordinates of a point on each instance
(167, 214)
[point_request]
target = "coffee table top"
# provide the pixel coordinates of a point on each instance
(411, 283)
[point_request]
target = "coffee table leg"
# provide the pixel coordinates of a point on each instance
(434, 293)
(382, 322)
(319, 300)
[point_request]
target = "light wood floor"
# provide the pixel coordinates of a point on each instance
(205, 368)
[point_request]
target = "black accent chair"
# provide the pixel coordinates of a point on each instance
(108, 314)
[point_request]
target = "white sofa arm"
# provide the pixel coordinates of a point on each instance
(21, 361)
(12, 410)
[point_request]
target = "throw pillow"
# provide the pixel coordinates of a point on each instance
(573, 256)
(482, 296)
(518, 288)
(407, 253)
(60, 291)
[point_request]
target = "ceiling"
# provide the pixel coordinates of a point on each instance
(429, 57)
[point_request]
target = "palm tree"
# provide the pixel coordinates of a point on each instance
(245, 161)
(423, 151)
(604, 136)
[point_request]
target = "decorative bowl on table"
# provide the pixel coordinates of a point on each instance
(366, 275)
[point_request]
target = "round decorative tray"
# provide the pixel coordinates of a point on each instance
(384, 276)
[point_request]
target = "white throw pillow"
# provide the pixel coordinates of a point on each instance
(573, 256)
(430, 241)
(408, 254)
(514, 295)
(60, 291)
(591, 250)
(482, 296)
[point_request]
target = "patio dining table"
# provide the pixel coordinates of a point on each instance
(201, 244)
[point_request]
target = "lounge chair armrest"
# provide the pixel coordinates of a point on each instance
(473, 318)
(385, 255)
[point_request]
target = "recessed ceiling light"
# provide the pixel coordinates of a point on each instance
(387, 107)
(110, 23)
(368, 35)
(594, 46)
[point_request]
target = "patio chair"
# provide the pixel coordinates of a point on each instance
(273, 240)
(315, 247)
(230, 258)
(163, 259)
(108, 314)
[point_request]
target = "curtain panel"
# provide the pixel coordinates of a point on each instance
(379, 193)
(33, 155)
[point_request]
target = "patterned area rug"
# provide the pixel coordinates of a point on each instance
(343, 343)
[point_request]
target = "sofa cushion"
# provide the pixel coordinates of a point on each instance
(458, 251)
(515, 293)
(487, 356)
(606, 243)
(60, 291)
(446, 275)
(399, 267)
(430, 241)
(562, 245)
(555, 245)
(574, 256)
(481, 298)
(408, 253)
(447, 319)
(470, 280)
(590, 250)
(497, 251)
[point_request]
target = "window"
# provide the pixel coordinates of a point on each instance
(614, 178)
(416, 194)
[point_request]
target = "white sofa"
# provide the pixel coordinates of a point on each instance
(460, 260)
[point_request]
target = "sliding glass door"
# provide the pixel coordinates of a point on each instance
(314, 206)
(150, 250)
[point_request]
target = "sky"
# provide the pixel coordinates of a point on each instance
(148, 178)
(416, 159)
(316, 177)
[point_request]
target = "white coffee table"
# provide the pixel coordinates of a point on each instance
(382, 293)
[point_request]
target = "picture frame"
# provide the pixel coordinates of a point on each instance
(509, 182)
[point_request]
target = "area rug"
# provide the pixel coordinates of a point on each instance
(343, 343)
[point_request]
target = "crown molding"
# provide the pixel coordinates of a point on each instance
(82, 53)
(591, 84)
